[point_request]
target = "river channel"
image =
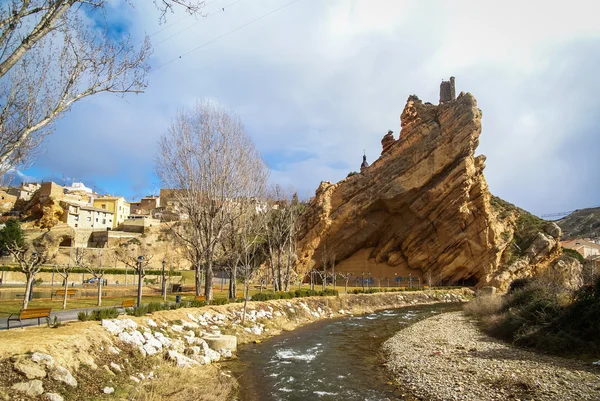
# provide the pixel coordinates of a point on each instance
(337, 359)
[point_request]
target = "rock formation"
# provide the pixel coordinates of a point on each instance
(424, 208)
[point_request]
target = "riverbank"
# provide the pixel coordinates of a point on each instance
(447, 357)
(92, 353)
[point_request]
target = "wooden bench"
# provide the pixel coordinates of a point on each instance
(31, 313)
(127, 303)
(200, 298)
(61, 293)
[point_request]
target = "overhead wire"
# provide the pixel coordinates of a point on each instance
(226, 34)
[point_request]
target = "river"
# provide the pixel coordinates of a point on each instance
(336, 359)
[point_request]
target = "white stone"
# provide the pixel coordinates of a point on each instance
(134, 338)
(52, 397)
(114, 350)
(108, 390)
(135, 379)
(149, 349)
(31, 388)
(278, 314)
(151, 323)
(177, 328)
(115, 367)
(63, 375)
(190, 325)
(43, 359)
(225, 353)
(192, 317)
(165, 341)
(180, 360)
(111, 326)
(341, 311)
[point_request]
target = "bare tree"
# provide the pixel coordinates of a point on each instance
(135, 255)
(52, 54)
(30, 262)
(64, 271)
(205, 159)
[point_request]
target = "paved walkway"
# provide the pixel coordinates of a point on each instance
(63, 316)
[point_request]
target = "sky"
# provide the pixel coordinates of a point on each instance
(317, 82)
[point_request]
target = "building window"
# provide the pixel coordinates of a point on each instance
(89, 219)
(76, 218)
(96, 219)
(103, 221)
(103, 206)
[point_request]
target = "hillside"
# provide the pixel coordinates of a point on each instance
(583, 223)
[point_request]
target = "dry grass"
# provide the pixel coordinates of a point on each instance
(484, 306)
(199, 383)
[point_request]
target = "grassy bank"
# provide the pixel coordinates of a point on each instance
(540, 314)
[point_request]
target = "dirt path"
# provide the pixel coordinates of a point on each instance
(448, 358)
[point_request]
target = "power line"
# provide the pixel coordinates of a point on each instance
(197, 22)
(226, 34)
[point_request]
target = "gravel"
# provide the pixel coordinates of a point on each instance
(447, 357)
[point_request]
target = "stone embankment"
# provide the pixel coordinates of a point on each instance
(123, 355)
(448, 358)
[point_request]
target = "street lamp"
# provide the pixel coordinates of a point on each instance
(140, 261)
(363, 281)
(388, 283)
(369, 282)
(396, 279)
(164, 285)
(409, 280)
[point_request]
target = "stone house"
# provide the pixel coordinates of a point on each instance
(117, 205)
(88, 217)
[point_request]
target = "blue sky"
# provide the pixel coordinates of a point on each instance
(317, 82)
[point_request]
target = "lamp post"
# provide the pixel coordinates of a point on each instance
(388, 283)
(363, 281)
(396, 279)
(140, 261)
(164, 285)
(409, 280)
(369, 281)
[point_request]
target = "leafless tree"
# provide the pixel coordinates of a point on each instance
(209, 162)
(64, 270)
(281, 236)
(30, 260)
(53, 54)
(135, 255)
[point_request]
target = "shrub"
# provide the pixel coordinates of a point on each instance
(219, 301)
(519, 284)
(574, 254)
(484, 306)
(98, 314)
(197, 304)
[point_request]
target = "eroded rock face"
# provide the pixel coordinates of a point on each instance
(423, 206)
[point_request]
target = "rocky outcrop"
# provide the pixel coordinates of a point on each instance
(423, 207)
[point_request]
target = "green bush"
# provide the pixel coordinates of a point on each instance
(98, 314)
(219, 301)
(197, 304)
(574, 254)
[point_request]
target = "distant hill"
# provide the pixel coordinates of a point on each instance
(581, 223)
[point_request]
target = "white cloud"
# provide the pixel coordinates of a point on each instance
(318, 82)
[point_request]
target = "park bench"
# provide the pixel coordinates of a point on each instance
(127, 303)
(200, 298)
(61, 293)
(31, 313)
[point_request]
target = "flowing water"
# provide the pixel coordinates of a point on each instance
(336, 359)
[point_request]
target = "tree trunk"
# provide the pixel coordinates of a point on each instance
(65, 296)
(208, 292)
(198, 281)
(100, 291)
(288, 268)
(279, 277)
(30, 278)
(246, 285)
(139, 294)
(233, 283)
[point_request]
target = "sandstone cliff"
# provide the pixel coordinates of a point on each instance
(423, 208)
